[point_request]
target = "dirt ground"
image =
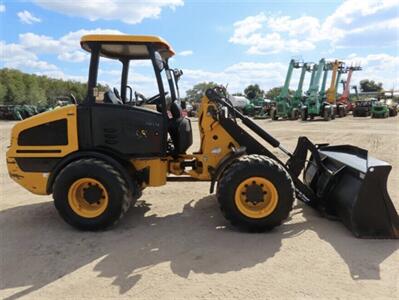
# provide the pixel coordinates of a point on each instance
(176, 244)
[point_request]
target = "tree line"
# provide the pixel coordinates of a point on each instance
(17, 87)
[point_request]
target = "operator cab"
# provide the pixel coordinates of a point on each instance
(144, 124)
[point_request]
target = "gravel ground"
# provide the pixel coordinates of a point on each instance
(176, 244)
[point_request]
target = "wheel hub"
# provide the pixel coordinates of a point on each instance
(88, 197)
(254, 193)
(92, 194)
(256, 197)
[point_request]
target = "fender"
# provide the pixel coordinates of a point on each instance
(223, 164)
(122, 165)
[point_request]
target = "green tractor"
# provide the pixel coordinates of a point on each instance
(254, 107)
(315, 103)
(379, 110)
(286, 106)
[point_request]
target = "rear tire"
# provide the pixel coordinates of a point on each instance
(341, 112)
(70, 189)
(294, 114)
(270, 189)
(273, 115)
(326, 115)
(332, 115)
(304, 115)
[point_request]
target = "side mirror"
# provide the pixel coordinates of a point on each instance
(159, 61)
(177, 73)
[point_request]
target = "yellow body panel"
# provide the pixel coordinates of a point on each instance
(36, 182)
(157, 169)
(67, 112)
(215, 144)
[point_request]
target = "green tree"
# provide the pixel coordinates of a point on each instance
(253, 91)
(21, 88)
(370, 86)
(197, 91)
(3, 92)
(274, 92)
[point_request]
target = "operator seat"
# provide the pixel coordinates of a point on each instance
(110, 97)
(179, 130)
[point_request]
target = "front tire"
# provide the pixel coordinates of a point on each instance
(91, 194)
(341, 112)
(326, 114)
(255, 193)
(294, 114)
(273, 115)
(304, 115)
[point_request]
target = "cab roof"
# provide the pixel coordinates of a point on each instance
(132, 46)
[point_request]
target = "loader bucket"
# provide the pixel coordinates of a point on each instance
(352, 186)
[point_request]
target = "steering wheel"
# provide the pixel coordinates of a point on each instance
(155, 99)
(140, 96)
(144, 100)
(73, 99)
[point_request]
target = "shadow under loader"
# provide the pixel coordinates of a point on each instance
(38, 249)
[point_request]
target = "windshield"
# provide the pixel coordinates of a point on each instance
(133, 82)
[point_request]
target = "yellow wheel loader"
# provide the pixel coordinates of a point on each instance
(96, 156)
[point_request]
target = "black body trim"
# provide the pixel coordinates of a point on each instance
(39, 151)
(54, 133)
(37, 164)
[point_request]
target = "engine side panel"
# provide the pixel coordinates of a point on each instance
(132, 131)
(38, 143)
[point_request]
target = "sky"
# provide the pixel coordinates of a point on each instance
(230, 42)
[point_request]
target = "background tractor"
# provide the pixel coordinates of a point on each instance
(315, 103)
(287, 106)
(344, 99)
(340, 108)
(97, 155)
(363, 108)
(379, 109)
